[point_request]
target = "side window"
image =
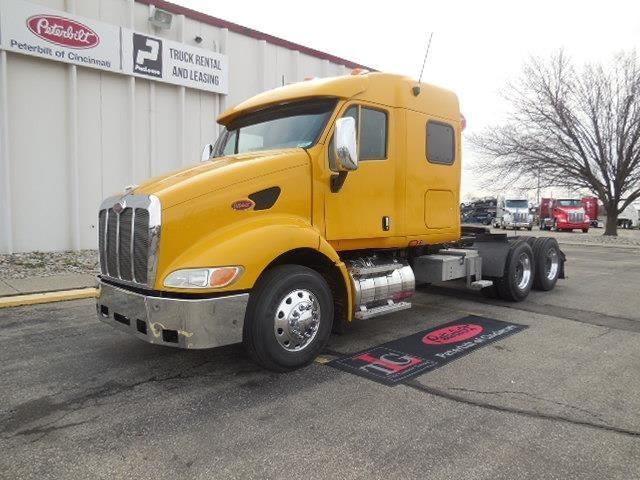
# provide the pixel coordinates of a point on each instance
(230, 145)
(440, 143)
(371, 126)
(373, 134)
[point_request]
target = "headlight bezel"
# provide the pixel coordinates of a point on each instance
(201, 278)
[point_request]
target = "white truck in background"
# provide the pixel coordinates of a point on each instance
(630, 216)
(512, 211)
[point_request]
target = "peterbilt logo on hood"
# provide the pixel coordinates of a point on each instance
(62, 31)
(120, 206)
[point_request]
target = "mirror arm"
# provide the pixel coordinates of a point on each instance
(337, 180)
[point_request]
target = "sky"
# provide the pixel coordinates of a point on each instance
(477, 46)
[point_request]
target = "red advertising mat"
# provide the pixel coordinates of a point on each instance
(402, 359)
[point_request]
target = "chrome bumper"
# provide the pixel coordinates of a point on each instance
(174, 322)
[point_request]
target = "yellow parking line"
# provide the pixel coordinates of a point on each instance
(47, 297)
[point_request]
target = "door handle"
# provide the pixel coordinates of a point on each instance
(386, 223)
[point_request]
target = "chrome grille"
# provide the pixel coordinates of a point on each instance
(124, 242)
(519, 217)
(128, 240)
(576, 217)
(112, 243)
(102, 218)
(141, 244)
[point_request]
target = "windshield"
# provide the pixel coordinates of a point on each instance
(517, 203)
(284, 126)
(569, 203)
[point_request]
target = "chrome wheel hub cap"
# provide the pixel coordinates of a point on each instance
(296, 320)
(551, 264)
(523, 271)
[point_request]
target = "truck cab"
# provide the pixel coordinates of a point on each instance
(512, 211)
(563, 214)
(320, 203)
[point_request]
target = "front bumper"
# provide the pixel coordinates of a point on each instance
(174, 322)
(572, 226)
(518, 224)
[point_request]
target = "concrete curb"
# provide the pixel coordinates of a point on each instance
(601, 245)
(48, 297)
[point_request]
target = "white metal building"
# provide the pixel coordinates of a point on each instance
(99, 94)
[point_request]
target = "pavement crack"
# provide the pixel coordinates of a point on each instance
(518, 411)
(530, 395)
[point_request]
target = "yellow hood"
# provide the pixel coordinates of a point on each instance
(186, 184)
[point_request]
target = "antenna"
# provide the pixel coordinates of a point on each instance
(416, 89)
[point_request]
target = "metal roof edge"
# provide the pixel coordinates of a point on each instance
(234, 27)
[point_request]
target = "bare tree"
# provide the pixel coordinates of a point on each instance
(573, 128)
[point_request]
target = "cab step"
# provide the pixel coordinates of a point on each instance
(389, 307)
(480, 284)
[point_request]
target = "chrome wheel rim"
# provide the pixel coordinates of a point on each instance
(551, 264)
(523, 271)
(297, 320)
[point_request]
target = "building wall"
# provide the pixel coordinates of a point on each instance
(70, 136)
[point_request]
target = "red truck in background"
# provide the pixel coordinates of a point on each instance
(563, 214)
(590, 205)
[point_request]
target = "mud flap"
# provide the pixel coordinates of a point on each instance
(563, 259)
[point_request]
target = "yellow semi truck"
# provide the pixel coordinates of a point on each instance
(320, 203)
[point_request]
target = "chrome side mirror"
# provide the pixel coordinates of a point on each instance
(207, 152)
(346, 144)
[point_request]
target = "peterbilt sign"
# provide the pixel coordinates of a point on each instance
(63, 31)
(32, 29)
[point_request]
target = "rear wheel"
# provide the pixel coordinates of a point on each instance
(585, 230)
(517, 280)
(289, 318)
(547, 261)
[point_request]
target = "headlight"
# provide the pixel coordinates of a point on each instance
(203, 277)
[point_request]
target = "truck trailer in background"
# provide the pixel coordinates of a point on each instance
(630, 216)
(590, 205)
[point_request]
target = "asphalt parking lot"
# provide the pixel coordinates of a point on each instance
(559, 400)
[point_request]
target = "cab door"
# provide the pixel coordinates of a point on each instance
(366, 204)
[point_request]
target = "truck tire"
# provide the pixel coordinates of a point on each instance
(517, 280)
(547, 262)
(288, 319)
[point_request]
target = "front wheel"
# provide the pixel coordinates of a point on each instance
(289, 318)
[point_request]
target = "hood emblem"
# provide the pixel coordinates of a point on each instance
(120, 206)
(244, 204)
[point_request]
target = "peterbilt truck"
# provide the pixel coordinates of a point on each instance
(321, 203)
(512, 211)
(563, 214)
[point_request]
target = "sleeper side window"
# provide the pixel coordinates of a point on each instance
(440, 146)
